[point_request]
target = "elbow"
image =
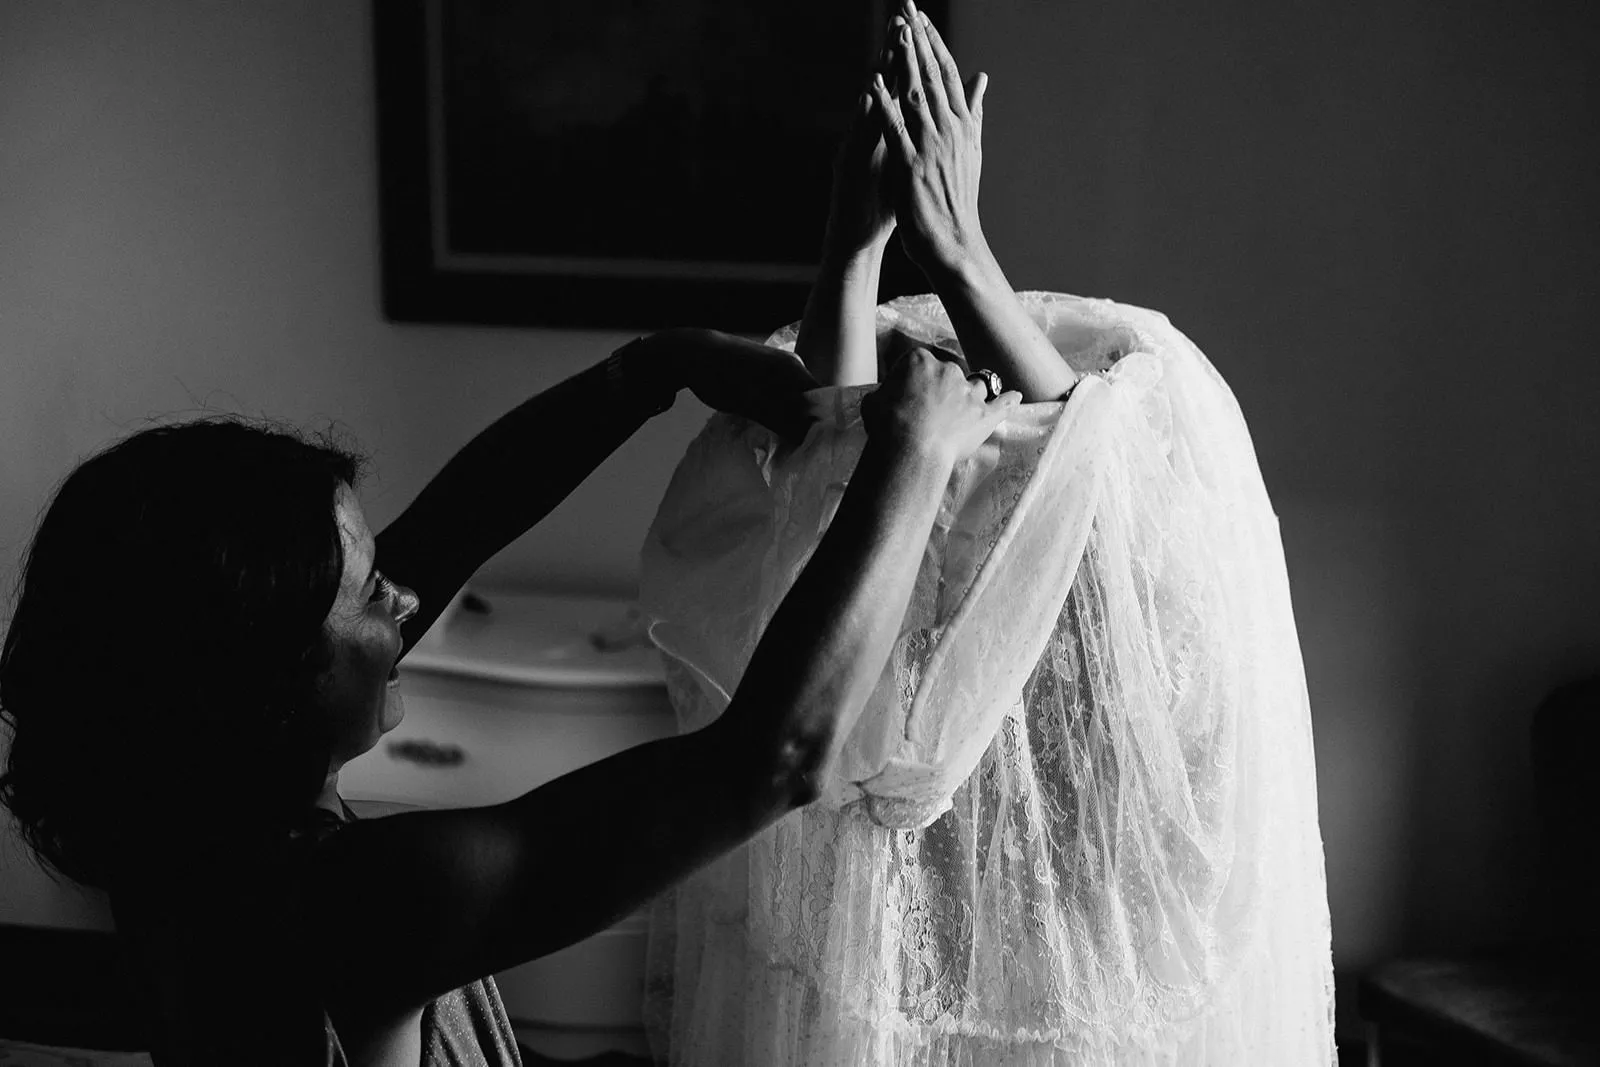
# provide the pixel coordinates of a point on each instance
(801, 768)
(804, 790)
(785, 768)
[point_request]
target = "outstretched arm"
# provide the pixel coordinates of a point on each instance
(934, 128)
(551, 442)
(838, 335)
(470, 510)
(477, 890)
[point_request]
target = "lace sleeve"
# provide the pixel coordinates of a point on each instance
(739, 522)
(1077, 820)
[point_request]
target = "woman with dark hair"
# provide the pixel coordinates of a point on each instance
(205, 631)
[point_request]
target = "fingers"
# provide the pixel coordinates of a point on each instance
(909, 74)
(927, 61)
(862, 130)
(888, 64)
(998, 411)
(947, 67)
(896, 137)
(976, 86)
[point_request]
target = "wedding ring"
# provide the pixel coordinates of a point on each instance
(991, 382)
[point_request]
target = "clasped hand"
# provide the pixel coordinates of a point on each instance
(929, 405)
(913, 155)
(932, 128)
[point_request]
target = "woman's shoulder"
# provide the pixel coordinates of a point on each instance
(196, 878)
(219, 946)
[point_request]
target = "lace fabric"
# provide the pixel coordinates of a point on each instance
(1076, 823)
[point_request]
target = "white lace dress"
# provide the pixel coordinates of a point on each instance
(1077, 822)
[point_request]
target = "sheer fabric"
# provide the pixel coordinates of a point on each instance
(1076, 823)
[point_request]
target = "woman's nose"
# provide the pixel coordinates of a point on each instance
(406, 603)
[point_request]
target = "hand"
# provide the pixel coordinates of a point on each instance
(929, 404)
(740, 377)
(860, 216)
(933, 133)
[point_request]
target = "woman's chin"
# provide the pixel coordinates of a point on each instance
(394, 710)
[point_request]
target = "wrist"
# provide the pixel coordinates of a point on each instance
(853, 257)
(915, 458)
(645, 374)
(965, 263)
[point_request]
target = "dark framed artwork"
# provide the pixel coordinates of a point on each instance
(629, 164)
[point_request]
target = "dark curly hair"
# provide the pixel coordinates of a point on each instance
(166, 641)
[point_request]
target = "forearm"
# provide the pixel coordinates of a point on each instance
(827, 644)
(838, 335)
(996, 332)
(550, 443)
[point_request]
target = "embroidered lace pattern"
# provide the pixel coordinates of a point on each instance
(1076, 822)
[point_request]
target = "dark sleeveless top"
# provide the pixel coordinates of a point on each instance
(217, 990)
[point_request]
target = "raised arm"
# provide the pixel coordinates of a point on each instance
(413, 905)
(838, 335)
(472, 508)
(934, 130)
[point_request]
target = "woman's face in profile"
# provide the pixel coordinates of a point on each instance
(361, 691)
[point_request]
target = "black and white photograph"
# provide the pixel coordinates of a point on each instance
(987, 533)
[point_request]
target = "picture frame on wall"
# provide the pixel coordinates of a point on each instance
(615, 164)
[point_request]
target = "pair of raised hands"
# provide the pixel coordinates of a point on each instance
(913, 152)
(912, 155)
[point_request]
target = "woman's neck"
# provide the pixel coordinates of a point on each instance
(329, 799)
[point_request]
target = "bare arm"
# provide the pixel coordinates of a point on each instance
(838, 336)
(996, 332)
(934, 130)
(416, 904)
(553, 441)
(465, 514)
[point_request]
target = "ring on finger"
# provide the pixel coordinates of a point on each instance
(991, 382)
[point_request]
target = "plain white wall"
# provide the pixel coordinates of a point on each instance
(1378, 221)
(187, 197)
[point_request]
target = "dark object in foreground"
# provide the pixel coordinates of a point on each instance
(67, 987)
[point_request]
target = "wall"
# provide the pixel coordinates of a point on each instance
(190, 223)
(1379, 219)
